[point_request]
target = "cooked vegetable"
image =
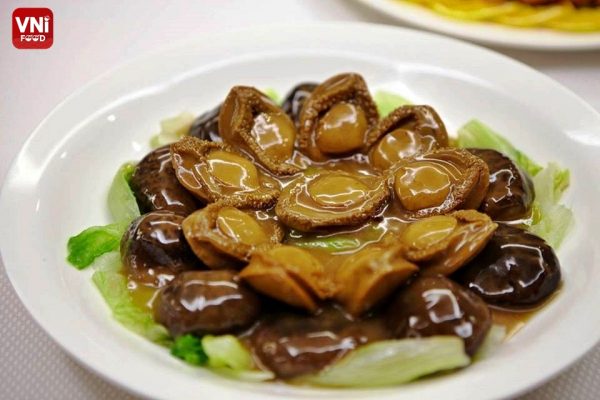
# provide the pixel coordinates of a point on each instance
(492, 341)
(273, 95)
(392, 362)
(172, 129)
(85, 247)
(189, 349)
(551, 220)
(121, 201)
(388, 102)
(113, 287)
(226, 351)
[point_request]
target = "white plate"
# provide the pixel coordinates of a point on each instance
(487, 33)
(58, 185)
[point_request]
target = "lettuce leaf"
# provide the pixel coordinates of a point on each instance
(121, 201)
(112, 285)
(189, 349)
(388, 102)
(226, 351)
(273, 95)
(85, 247)
(476, 134)
(393, 362)
(550, 219)
(492, 341)
(172, 129)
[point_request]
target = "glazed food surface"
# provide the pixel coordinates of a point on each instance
(327, 227)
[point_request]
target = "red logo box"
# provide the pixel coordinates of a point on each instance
(32, 28)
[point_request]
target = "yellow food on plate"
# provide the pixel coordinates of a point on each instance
(565, 15)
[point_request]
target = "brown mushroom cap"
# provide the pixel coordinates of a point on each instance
(516, 269)
(154, 250)
(433, 306)
(335, 119)
(213, 172)
(156, 187)
(369, 276)
(442, 244)
(292, 345)
(288, 274)
(252, 122)
(331, 198)
(438, 182)
(510, 193)
(407, 131)
(224, 237)
(206, 302)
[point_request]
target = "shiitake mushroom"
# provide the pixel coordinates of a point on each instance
(516, 269)
(438, 182)
(336, 117)
(206, 302)
(206, 126)
(407, 131)
(435, 305)
(154, 250)
(156, 187)
(510, 193)
(291, 345)
(294, 100)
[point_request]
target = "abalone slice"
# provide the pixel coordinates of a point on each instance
(224, 237)
(442, 244)
(213, 172)
(252, 122)
(439, 182)
(407, 131)
(331, 198)
(288, 274)
(370, 276)
(294, 100)
(335, 119)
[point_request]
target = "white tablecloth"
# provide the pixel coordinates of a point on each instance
(93, 37)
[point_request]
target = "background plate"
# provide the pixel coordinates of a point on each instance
(58, 184)
(488, 33)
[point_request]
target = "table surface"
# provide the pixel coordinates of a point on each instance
(93, 37)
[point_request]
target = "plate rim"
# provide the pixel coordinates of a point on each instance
(12, 171)
(481, 32)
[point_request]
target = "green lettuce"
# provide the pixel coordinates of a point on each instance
(273, 95)
(492, 341)
(388, 102)
(189, 349)
(393, 362)
(85, 247)
(121, 201)
(550, 219)
(112, 285)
